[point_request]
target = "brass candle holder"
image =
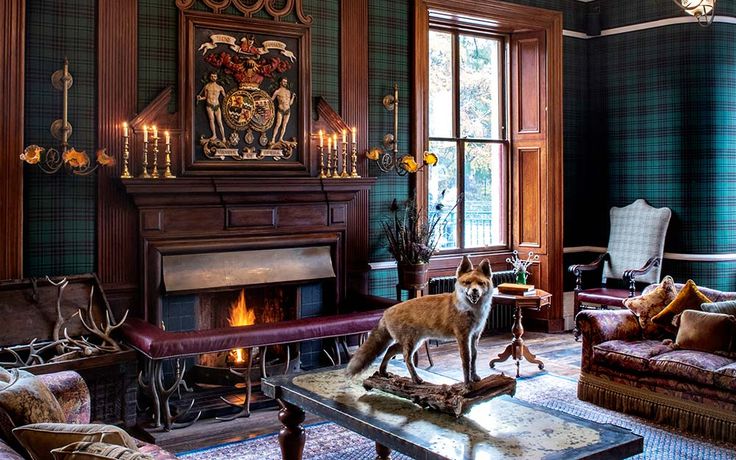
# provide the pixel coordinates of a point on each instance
(167, 171)
(154, 172)
(126, 155)
(335, 154)
(354, 158)
(321, 151)
(344, 174)
(144, 174)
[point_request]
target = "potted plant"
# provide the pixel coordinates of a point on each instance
(412, 239)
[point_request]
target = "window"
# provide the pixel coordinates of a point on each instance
(466, 116)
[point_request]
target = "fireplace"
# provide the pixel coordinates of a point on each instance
(238, 288)
(301, 243)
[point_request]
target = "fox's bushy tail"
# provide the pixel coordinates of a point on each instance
(375, 345)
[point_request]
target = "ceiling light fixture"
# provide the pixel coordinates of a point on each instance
(703, 10)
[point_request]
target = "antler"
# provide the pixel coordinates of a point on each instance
(60, 286)
(105, 332)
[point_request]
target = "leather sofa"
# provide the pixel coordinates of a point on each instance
(692, 390)
(73, 395)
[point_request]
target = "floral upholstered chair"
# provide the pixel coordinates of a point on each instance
(634, 254)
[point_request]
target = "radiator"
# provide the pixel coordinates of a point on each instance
(501, 317)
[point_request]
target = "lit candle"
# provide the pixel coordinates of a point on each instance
(355, 130)
(329, 143)
(321, 138)
(145, 133)
(168, 137)
(155, 132)
(344, 136)
(125, 129)
(334, 139)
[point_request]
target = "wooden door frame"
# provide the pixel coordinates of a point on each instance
(506, 18)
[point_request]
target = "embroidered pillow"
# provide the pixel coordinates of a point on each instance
(648, 305)
(689, 298)
(704, 331)
(97, 451)
(40, 439)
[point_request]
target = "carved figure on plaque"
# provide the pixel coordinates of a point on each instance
(211, 94)
(283, 97)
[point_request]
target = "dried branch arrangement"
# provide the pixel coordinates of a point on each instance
(62, 347)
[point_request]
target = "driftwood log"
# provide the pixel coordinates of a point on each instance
(454, 399)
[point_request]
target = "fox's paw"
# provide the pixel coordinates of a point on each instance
(475, 377)
(418, 380)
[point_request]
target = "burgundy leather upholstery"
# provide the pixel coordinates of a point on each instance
(159, 344)
(604, 296)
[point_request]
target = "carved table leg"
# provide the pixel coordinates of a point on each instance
(382, 452)
(291, 436)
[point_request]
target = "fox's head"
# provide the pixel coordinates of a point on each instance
(473, 284)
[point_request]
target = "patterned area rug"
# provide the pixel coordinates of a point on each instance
(328, 441)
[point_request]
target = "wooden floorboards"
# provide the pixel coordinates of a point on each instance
(559, 352)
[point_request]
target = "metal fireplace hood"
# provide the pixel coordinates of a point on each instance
(221, 270)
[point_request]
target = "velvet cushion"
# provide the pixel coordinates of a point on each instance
(704, 331)
(28, 401)
(647, 306)
(41, 438)
(689, 298)
(727, 307)
(97, 451)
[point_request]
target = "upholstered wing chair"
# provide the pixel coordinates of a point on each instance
(634, 254)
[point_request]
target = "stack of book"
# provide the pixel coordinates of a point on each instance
(517, 289)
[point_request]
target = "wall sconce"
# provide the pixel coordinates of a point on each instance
(387, 156)
(703, 10)
(51, 160)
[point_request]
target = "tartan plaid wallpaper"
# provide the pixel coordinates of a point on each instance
(59, 210)
(664, 109)
(646, 115)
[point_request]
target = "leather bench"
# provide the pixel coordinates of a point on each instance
(158, 345)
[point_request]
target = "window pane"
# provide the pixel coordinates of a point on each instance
(484, 195)
(480, 87)
(443, 191)
(440, 84)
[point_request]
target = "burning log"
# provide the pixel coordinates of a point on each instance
(454, 399)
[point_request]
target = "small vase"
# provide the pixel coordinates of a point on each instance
(413, 276)
(521, 277)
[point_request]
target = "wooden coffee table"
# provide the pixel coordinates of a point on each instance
(516, 349)
(500, 428)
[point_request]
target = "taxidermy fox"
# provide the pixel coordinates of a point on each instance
(461, 314)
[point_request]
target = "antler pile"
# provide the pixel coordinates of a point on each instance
(68, 348)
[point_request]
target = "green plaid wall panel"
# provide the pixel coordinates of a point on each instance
(60, 210)
(388, 62)
(158, 55)
(667, 95)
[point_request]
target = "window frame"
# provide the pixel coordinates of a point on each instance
(456, 30)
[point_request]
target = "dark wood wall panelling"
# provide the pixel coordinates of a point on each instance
(117, 75)
(354, 110)
(536, 137)
(12, 61)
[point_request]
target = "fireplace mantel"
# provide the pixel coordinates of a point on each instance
(198, 215)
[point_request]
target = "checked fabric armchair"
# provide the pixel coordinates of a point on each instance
(634, 254)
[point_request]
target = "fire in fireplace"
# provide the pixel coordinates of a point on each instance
(240, 315)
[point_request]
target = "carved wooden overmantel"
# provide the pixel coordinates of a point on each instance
(203, 215)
